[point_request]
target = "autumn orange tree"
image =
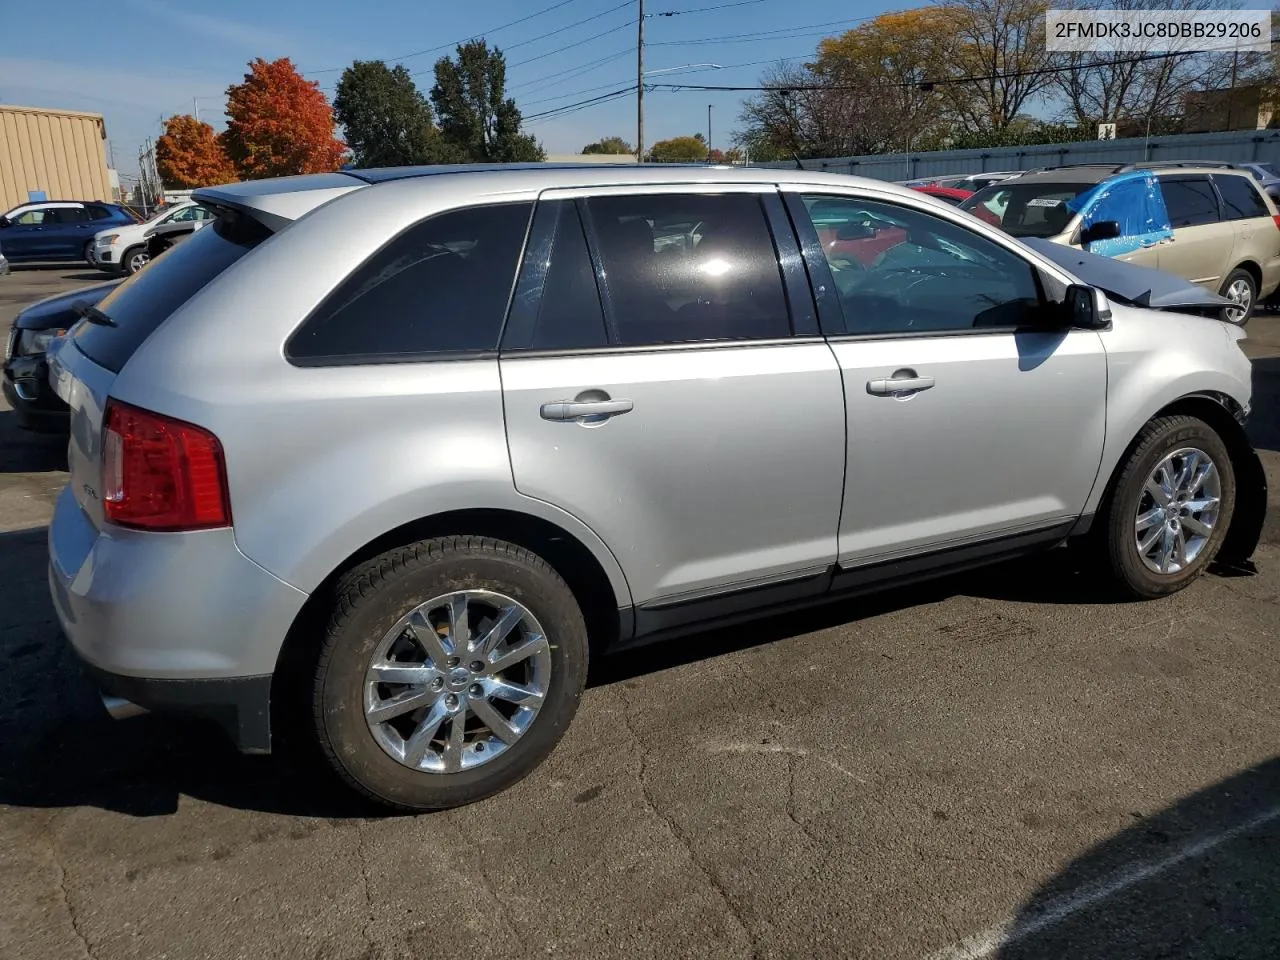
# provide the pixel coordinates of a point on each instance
(188, 155)
(279, 123)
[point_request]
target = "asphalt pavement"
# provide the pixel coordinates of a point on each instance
(995, 765)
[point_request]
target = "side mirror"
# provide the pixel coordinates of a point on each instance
(1087, 308)
(5, 222)
(1101, 230)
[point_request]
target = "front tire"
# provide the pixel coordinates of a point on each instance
(449, 670)
(134, 259)
(1242, 290)
(1170, 507)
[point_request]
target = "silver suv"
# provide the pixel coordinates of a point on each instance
(384, 455)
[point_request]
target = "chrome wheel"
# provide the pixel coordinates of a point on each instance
(137, 261)
(1177, 511)
(457, 682)
(1239, 292)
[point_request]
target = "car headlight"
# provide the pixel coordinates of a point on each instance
(32, 342)
(110, 238)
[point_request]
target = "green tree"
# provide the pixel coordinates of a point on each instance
(479, 123)
(388, 122)
(679, 149)
(612, 145)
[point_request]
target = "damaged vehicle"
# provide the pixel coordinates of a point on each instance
(392, 495)
(1211, 225)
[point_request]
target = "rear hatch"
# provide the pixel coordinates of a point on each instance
(84, 366)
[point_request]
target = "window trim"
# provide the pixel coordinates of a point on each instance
(427, 356)
(831, 311)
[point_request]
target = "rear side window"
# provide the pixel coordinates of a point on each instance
(682, 267)
(67, 215)
(99, 213)
(143, 302)
(441, 286)
(1240, 198)
(1189, 200)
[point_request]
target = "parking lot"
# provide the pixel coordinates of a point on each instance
(993, 765)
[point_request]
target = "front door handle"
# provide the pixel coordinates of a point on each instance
(902, 383)
(597, 410)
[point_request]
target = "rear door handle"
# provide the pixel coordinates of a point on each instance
(897, 386)
(578, 409)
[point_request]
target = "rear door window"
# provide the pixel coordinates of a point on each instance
(1189, 200)
(1240, 198)
(683, 267)
(144, 301)
(440, 287)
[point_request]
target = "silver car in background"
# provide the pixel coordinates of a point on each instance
(395, 491)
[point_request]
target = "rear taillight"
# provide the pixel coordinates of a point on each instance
(1276, 218)
(161, 474)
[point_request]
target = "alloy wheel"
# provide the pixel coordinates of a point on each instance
(457, 681)
(1177, 510)
(137, 261)
(1241, 294)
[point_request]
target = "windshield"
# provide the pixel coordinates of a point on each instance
(1024, 209)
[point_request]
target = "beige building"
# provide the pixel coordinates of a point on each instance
(62, 152)
(1239, 108)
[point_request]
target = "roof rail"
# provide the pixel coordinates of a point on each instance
(1163, 164)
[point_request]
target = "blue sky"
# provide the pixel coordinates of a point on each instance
(138, 60)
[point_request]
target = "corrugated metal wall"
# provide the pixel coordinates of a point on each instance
(1239, 146)
(58, 151)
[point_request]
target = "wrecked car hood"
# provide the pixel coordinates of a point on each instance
(1128, 282)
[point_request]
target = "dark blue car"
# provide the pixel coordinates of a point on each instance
(57, 230)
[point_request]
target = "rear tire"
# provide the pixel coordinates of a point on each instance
(1158, 536)
(1243, 289)
(475, 726)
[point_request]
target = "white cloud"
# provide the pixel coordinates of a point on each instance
(204, 26)
(57, 82)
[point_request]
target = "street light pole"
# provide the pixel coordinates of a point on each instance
(640, 86)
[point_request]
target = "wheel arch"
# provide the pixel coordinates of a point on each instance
(1224, 414)
(581, 569)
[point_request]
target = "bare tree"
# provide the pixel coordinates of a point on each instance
(1000, 59)
(1111, 87)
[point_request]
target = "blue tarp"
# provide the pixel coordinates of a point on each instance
(1135, 202)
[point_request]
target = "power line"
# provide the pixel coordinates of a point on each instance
(581, 104)
(786, 33)
(567, 46)
(937, 82)
(577, 71)
(571, 26)
(454, 43)
(575, 93)
(719, 6)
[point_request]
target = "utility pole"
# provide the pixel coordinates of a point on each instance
(195, 108)
(708, 132)
(640, 86)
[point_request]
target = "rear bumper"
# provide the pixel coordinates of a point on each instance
(240, 705)
(171, 621)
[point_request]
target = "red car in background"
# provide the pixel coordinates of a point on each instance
(952, 195)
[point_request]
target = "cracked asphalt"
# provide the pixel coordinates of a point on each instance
(995, 765)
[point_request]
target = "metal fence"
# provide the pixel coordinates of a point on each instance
(1238, 146)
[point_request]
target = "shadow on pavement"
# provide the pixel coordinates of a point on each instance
(28, 452)
(1198, 880)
